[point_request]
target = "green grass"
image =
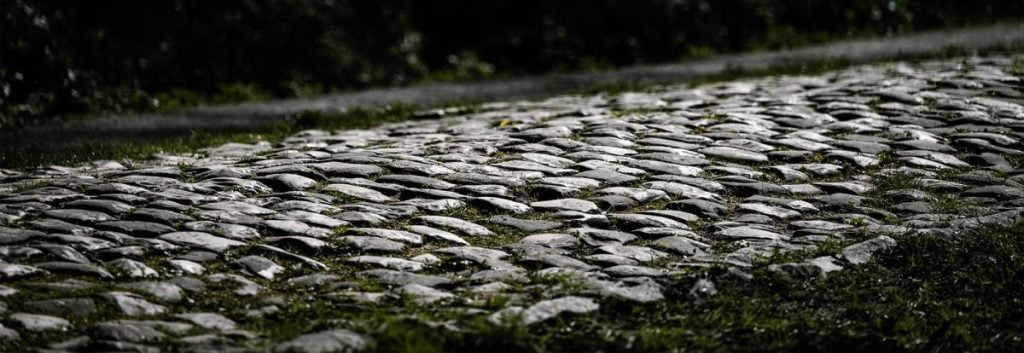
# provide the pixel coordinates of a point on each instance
(930, 293)
(26, 156)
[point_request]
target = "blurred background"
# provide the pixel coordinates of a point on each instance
(63, 57)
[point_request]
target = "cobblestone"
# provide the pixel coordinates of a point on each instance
(611, 191)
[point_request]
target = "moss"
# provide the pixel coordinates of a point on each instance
(831, 246)
(502, 236)
(468, 213)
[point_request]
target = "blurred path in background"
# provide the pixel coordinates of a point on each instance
(247, 116)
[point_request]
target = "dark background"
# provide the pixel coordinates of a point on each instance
(83, 57)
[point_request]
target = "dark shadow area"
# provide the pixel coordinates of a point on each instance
(101, 57)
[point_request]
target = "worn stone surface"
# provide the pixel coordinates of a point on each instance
(324, 342)
(546, 310)
(613, 192)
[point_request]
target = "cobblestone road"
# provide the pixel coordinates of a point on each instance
(611, 192)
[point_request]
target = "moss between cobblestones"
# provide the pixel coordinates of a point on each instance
(930, 293)
(829, 247)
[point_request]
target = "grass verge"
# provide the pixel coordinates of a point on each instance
(28, 155)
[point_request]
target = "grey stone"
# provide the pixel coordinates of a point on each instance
(862, 252)
(186, 266)
(16, 235)
(545, 310)
(599, 237)
(227, 230)
(36, 322)
(525, 225)
(64, 252)
(163, 291)
(464, 227)
(399, 278)
(473, 253)
(131, 268)
(437, 234)
(106, 206)
(634, 220)
(775, 212)
(13, 271)
(358, 192)
(748, 232)
(158, 215)
(422, 294)
(645, 291)
(703, 288)
(613, 202)
(390, 234)
(557, 260)
(389, 262)
(499, 205)
(678, 216)
(337, 340)
(208, 321)
(259, 266)
(566, 205)
(243, 286)
(63, 306)
(484, 190)
(607, 176)
(682, 191)
(1001, 192)
(7, 334)
(373, 243)
(735, 154)
(74, 268)
(347, 169)
(128, 331)
(634, 271)
(855, 188)
(638, 253)
(681, 245)
(551, 240)
(79, 215)
(474, 178)
(201, 240)
(286, 182)
(132, 304)
(139, 228)
(238, 207)
(700, 207)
